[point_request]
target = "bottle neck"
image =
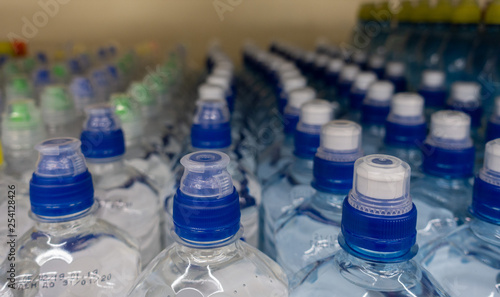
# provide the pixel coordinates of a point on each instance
(65, 224)
(330, 205)
(301, 170)
(208, 255)
(106, 166)
(486, 231)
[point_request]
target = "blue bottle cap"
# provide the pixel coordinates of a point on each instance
(296, 99)
(334, 161)
(359, 88)
(485, 202)
(379, 219)
(102, 137)
(405, 125)
(61, 184)
(211, 128)
(466, 97)
(376, 104)
(313, 115)
(206, 207)
(448, 150)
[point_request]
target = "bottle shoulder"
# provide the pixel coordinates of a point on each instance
(345, 275)
(236, 268)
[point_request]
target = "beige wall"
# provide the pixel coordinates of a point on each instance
(194, 22)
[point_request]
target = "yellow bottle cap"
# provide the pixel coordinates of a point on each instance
(492, 16)
(466, 12)
(59, 55)
(365, 11)
(406, 11)
(420, 12)
(441, 12)
(6, 48)
(1, 154)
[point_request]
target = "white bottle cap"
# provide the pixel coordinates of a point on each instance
(287, 66)
(222, 71)
(298, 97)
(380, 91)
(433, 78)
(349, 72)
(340, 135)
(465, 92)
(321, 61)
(381, 177)
(335, 65)
(376, 61)
(316, 112)
(288, 74)
(492, 156)
(309, 57)
(211, 91)
(364, 79)
(293, 83)
(450, 124)
(219, 81)
(359, 57)
(407, 105)
(395, 69)
(497, 106)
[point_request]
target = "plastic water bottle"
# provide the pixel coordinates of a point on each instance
(277, 160)
(332, 75)
(58, 112)
(493, 125)
(83, 94)
(82, 255)
(287, 85)
(374, 111)
(346, 79)
(466, 97)
(466, 19)
(395, 72)
(282, 194)
(211, 130)
(208, 257)
(101, 83)
(138, 152)
(22, 129)
(359, 88)
(433, 90)
(464, 261)
(405, 130)
(360, 58)
(375, 260)
(448, 164)
(19, 87)
(309, 232)
(225, 84)
(41, 78)
(126, 197)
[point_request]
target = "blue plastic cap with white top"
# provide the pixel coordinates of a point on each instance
(340, 147)
(206, 207)
(61, 184)
(313, 115)
(296, 99)
(211, 128)
(485, 202)
(466, 97)
(102, 137)
(448, 150)
(376, 105)
(378, 218)
(405, 125)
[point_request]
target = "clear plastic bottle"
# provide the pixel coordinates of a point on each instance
(139, 153)
(126, 197)
(466, 97)
(285, 192)
(332, 74)
(83, 94)
(406, 130)
(287, 85)
(58, 112)
(448, 164)
(69, 252)
(276, 160)
(377, 64)
(374, 111)
(465, 261)
(22, 128)
(377, 239)
(345, 81)
(208, 257)
(211, 131)
(18, 87)
(309, 232)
